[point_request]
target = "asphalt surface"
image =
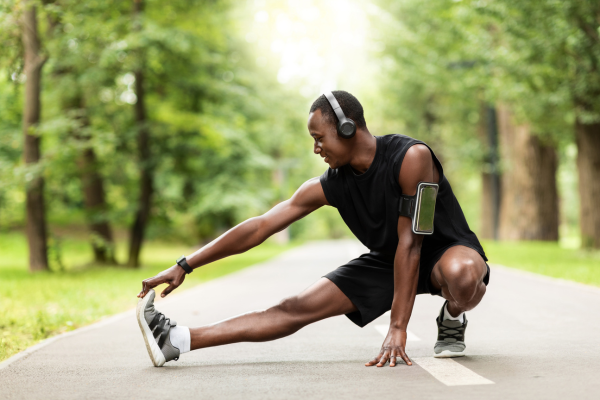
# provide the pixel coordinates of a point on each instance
(533, 337)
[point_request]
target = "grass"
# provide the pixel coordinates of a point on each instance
(36, 306)
(547, 258)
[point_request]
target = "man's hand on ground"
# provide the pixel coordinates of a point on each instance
(393, 346)
(174, 276)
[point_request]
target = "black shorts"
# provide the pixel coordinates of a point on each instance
(368, 281)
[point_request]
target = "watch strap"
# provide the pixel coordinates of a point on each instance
(182, 262)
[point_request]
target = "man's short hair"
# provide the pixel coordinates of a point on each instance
(350, 105)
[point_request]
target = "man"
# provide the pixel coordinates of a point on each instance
(366, 176)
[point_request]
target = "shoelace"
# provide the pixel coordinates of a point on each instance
(160, 327)
(455, 334)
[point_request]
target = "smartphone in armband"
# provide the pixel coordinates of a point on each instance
(420, 208)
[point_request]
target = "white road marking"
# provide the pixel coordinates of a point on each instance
(449, 372)
(383, 329)
(445, 370)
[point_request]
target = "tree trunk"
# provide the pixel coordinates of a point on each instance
(588, 166)
(96, 208)
(486, 221)
(490, 175)
(529, 205)
(91, 181)
(94, 198)
(145, 161)
(36, 218)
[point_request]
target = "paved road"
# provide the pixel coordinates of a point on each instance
(532, 337)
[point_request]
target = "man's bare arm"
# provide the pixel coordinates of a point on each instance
(245, 235)
(417, 166)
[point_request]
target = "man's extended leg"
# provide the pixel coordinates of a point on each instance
(321, 300)
(459, 274)
(165, 340)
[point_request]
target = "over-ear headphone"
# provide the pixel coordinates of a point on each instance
(346, 128)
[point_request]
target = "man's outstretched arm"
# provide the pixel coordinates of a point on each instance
(245, 235)
(417, 167)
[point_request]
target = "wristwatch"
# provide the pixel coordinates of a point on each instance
(182, 262)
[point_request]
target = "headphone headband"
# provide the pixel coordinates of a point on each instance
(337, 109)
(346, 128)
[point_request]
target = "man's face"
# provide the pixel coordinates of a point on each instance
(334, 150)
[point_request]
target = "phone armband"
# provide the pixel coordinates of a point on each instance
(420, 208)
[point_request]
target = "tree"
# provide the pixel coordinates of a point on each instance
(490, 173)
(94, 195)
(144, 157)
(67, 71)
(529, 209)
(450, 52)
(557, 44)
(36, 217)
(185, 80)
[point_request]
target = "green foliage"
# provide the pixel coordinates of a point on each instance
(227, 140)
(436, 77)
(444, 60)
(11, 187)
(557, 44)
(436, 69)
(445, 57)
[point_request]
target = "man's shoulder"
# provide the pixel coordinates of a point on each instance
(396, 137)
(396, 143)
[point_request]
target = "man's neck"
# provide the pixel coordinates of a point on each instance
(364, 151)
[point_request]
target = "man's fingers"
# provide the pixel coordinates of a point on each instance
(144, 290)
(375, 360)
(393, 358)
(150, 283)
(384, 358)
(405, 357)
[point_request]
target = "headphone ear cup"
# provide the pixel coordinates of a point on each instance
(346, 128)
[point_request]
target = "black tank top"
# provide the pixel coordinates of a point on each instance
(368, 203)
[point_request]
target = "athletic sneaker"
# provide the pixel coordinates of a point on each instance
(451, 337)
(155, 329)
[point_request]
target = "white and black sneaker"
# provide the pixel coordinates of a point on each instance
(155, 329)
(451, 336)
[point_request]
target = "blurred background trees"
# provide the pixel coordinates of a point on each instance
(522, 74)
(178, 120)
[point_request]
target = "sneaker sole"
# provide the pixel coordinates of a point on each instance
(156, 355)
(449, 354)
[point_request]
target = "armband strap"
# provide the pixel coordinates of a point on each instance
(182, 262)
(407, 206)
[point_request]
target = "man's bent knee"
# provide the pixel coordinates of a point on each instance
(464, 281)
